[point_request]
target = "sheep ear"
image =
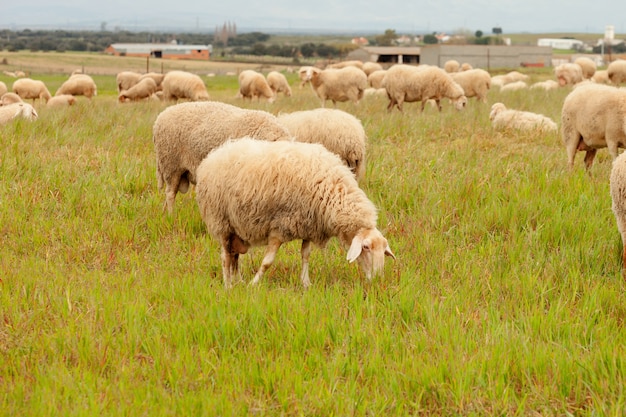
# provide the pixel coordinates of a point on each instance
(355, 249)
(388, 252)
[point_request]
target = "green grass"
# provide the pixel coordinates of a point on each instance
(506, 298)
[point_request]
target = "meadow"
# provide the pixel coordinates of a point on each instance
(506, 297)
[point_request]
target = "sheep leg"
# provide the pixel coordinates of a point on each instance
(270, 253)
(306, 252)
(438, 102)
(229, 264)
(171, 188)
(589, 156)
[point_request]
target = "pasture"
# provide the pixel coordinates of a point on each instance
(506, 298)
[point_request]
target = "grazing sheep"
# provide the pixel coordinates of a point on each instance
(451, 65)
(339, 132)
(405, 83)
(303, 74)
(78, 85)
(593, 117)
(345, 84)
(17, 110)
(617, 71)
(370, 67)
(503, 118)
(253, 193)
(568, 74)
(601, 77)
(466, 67)
(184, 85)
(156, 76)
(375, 79)
(61, 101)
(509, 77)
(618, 197)
(587, 66)
(278, 83)
(546, 85)
(252, 84)
(475, 83)
(184, 133)
(126, 79)
(28, 88)
(343, 64)
(144, 88)
(3, 88)
(10, 98)
(514, 86)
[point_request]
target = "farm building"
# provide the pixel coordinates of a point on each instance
(560, 43)
(488, 56)
(160, 50)
(387, 54)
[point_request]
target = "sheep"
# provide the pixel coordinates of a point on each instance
(10, 98)
(503, 118)
(405, 83)
(568, 74)
(340, 132)
(278, 83)
(466, 67)
(343, 64)
(27, 88)
(184, 85)
(303, 74)
(617, 185)
(451, 65)
(617, 71)
(126, 79)
(345, 84)
(509, 77)
(546, 85)
(370, 67)
(475, 83)
(253, 193)
(61, 100)
(375, 79)
(514, 86)
(145, 88)
(593, 117)
(3, 88)
(16, 110)
(184, 133)
(78, 85)
(601, 77)
(253, 85)
(587, 66)
(156, 76)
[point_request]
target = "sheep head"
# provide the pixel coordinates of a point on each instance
(369, 247)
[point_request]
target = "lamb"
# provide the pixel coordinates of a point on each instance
(252, 84)
(514, 86)
(503, 118)
(375, 79)
(405, 83)
(568, 74)
(546, 85)
(345, 84)
(185, 133)
(126, 79)
(592, 118)
(17, 110)
(184, 85)
(145, 88)
(617, 71)
(451, 65)
(10, 98)
(475, 83)
(27, 88)
(617, 187)
(253, 193)
(61, 100)
(370, 67)
(587, 65)
(3, 88)
(339, 132)
(278, 83)
(78, 85)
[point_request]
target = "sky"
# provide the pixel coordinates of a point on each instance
(340, 16)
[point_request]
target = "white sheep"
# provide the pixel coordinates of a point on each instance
(587, 65)
(514, 86)
(126, 79)
(27, 88)
(617, 187)
(546, 85)
(593, 117)
(61, 100)
(156, 76)
(343, 64)
(339, 132)
(303, 74)
(509, 77)
(184, 133)
(344, 84)
(466, 66)
(253, 193)
(3, 88)
(375, 79)
(503, 118)
(252, 84)
(144, 89)
(370, 67)
(601, 77)
(184, 85)
(475, 83)
(617, 71)
(451, 65)
(278, 83)
(568, 74)
(10, 98)
(78, 85)
(17, 110)
(406, 83)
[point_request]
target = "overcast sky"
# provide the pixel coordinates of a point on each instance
(404, 16)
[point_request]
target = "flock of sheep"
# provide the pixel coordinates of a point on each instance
(263, 179)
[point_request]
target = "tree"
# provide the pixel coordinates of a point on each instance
(386, 39)
(496, 30)
(430, 39)
(479, 34)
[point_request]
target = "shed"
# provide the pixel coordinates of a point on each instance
(160, 50)
(488, 56)
(387, 54)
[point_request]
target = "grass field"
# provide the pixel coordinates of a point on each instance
(506, 297)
